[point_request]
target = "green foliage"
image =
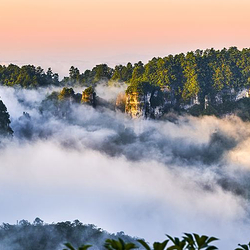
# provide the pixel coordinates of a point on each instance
(200, 73)
(59, 104)
(89, 91)
(191, 86)
(209, 76)
(102, 72)
(188, 242)
(177, 243)
(74, 73)
(194, 241)
(140, 87)
(5, 128)
(122, 73)
(243, 247)
(156, 245)
(89, 96)
(241, 108)
(138, 71)
(28, 76)
(222, 77)
(83, 247)
(66, 93)
(119, 244)
(40, 236)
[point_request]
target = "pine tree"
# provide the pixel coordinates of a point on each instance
(5, 128)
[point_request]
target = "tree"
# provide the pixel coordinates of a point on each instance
(28, 76)
(191, 85)
(38, 222)
(89, 96)
(117, 74)
(137, 72)
(5, 129)
(66, 93)
(156, 245)
(118, 245)
(101, 73)
(243, 247)
(127, 72)
(83, 247)
(194, 241)
(74, 74)
(178, 243)
(174, 77)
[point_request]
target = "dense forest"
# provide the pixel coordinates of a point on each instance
(27, 76)
(209, 82)
(205, 78)
(201, 73)
(41, 236)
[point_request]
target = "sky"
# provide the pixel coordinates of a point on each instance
(83, 33)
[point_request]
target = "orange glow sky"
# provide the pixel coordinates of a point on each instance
(60, 33)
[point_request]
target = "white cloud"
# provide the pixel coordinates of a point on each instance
(145, 178)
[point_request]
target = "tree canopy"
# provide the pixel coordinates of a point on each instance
(5, 128)
(201, 74)
(27, 76)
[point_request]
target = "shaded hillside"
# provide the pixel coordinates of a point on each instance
(41, 236)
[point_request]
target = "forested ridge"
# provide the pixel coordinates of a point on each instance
(56, 236)
(27, 76)
(42, 236)
(200, 73)
(201, 82)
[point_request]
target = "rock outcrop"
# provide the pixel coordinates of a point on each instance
(147, 102)
(120, 103)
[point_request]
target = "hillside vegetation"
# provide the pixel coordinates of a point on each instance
(201, 82)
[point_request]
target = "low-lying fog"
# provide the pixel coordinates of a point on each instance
(144, 177)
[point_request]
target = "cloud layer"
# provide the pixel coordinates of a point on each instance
(144, 177)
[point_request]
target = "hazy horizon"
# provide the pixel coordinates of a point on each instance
(59, 34)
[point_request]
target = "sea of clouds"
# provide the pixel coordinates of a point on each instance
(144, 177)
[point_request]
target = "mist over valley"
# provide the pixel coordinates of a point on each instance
(141, 176)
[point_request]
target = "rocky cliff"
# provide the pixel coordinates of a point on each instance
(146, 102)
